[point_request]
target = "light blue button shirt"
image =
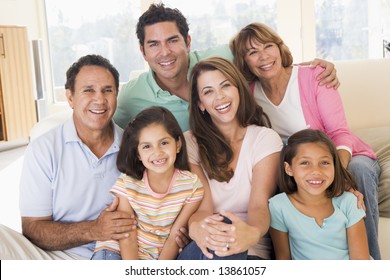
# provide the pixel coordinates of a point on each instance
(62, 178)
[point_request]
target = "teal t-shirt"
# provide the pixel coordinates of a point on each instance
(308, 240)
(144, 92)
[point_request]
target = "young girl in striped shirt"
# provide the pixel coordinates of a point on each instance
(156, 186)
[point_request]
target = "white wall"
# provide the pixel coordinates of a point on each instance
(21, 12)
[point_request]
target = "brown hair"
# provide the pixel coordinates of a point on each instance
(260, 33)
(214, 150)
(128, 161)
(343, 180)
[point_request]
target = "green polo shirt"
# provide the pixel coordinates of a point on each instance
(144, 92)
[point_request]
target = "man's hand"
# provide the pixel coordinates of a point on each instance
(328, 77)
(112, 224)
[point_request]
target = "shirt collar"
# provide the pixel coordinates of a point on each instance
(152, 81)
(70, 135)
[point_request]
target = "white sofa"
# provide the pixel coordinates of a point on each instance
(365, 89)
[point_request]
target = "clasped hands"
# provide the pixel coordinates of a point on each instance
(225, 239)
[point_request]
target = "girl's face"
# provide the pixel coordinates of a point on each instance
(263, 60)
(218, 96)
(157, 149)
(312, 168)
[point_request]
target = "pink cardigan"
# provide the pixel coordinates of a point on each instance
(323, 109)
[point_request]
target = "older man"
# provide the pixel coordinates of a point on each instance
(64, 191)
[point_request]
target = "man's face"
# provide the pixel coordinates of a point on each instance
(94, 99)
(166, 51)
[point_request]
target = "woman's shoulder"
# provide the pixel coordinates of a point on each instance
(189, 136)
(256, 129)
(306, 70)
(263, 133)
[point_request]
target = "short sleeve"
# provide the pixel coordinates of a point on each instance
(348, 205)
(197, 191)
(36, 192)
(276, 210)
(266, 143)
(192, 148)
(119, 187)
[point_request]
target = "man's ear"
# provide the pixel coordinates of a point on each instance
(69, 97)
(141, 48)
(287, 169)
(189, 43)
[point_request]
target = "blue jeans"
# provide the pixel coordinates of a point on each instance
(105, 254)
(366, 173)
(193, 252)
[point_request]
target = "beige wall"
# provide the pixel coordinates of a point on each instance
(22, 12)
(30, 13)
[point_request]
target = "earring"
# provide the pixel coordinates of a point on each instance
(202, 111)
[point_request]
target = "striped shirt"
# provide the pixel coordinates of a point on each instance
(155, 213)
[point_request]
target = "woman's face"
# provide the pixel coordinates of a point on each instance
(218, 96)
(263, 60)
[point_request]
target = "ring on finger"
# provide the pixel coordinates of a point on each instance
(227, 245)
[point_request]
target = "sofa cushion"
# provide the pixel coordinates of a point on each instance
(379, 139)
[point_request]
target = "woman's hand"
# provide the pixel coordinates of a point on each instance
(360, 198)
(230, 239)
(202, 230)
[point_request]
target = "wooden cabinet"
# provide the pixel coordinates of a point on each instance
(17, 106)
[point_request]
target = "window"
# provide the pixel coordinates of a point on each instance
(77, 28)
(108, 28)
(329, 29)
(217, 23)
(352, 29)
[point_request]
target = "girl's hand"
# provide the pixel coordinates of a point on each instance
(235, 238)
(182, 238)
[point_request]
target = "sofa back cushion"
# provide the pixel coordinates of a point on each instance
(365, 90)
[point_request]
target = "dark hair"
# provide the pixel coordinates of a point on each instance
(159, 13)
(128, 161)
(89, 60)
(260, 33)
(343, 180)
(214, 150)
